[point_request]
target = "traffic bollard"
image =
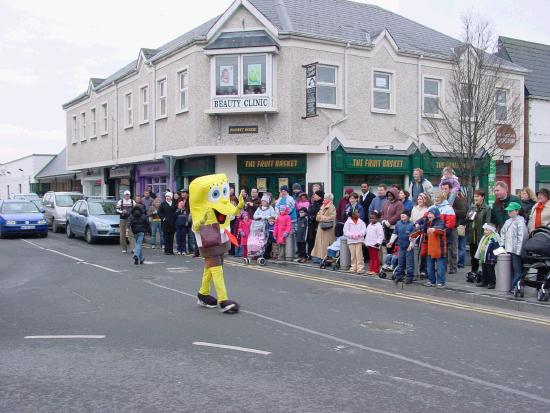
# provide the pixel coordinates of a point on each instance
(290, 246)
(504, 272)
(345, 254)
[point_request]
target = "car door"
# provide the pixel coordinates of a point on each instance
(46, 204)
(72, 216)
(80, 218)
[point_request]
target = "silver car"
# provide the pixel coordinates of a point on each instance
(56, 205)
(93, 219)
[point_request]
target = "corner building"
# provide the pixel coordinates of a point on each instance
(230, 96)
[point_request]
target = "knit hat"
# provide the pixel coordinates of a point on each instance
(296, 186)
(490, 227)
(513, 206)
(320, 193)
(266, 198)
(435, 211)
(349, 191)
(283, 188)
(127, 192)
(406, 212)
(170, 194)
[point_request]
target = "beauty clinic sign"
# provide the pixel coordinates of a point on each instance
(241, 103)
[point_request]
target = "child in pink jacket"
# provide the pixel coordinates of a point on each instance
(281, 230)
(244, 231)
(302, 202)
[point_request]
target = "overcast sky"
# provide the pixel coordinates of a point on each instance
(49, 49)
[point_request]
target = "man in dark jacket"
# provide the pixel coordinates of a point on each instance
(366, 197)
(502, 200)
(314, 208)
(341, 208)
(478, 214)
(252, 202)
(167, 213)
(139, 225)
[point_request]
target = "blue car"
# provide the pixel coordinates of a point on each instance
(93, 219)
(21, 217)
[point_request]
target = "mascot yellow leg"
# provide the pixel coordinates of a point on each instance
(214, 274)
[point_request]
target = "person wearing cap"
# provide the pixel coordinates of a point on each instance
(265, 210)
(540, 214)
(405, 255)
(123, 208)
(296, 191)
(514, 234)
(502, 199)
(485, 254)
(341, 215)
(167, 213)
(314, 208)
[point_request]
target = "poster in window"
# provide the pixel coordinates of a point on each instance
(226, 76)
(283, 181)
(261, 184)
(255, 74)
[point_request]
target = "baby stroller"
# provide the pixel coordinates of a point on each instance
(257, 241)
(536, 253)
(332, 259)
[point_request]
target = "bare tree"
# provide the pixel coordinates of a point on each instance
(481, 98)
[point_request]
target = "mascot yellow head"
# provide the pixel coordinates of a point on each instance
(209, 201)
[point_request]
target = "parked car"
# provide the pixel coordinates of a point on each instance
(26, 197)
(56, 205)
(21, 217)
(93, 219)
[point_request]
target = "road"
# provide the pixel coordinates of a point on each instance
(305, 340)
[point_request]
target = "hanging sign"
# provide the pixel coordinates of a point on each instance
(492, 180)
(311, 90)
(506, 137)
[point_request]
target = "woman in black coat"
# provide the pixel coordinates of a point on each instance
(315, 207)
(167, 213)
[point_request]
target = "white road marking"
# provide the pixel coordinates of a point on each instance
(247, 350)
(153, 262)
(382, 352)
(32, 243)
(65, 255)
(65, 336)
(100, 266)
(178, 269)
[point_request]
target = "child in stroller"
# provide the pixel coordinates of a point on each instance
(332, 259)
(257, 242)
(536, 255)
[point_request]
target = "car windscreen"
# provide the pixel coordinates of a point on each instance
(30, 197)
(67, 200)
(19, 208)
(101, 208)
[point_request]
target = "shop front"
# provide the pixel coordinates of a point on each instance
(154, 175)
(542, 176)
(269, 173)
(119, 179)
(349, 170)
(188, 169)
(93, 182)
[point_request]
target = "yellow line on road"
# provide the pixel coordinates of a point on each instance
(397, 294)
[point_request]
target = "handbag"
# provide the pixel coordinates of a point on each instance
(210, 235)
(461, 230)
(326, 224)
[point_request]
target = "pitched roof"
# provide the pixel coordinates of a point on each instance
(338, 20)
(56, 167)
(533, 56)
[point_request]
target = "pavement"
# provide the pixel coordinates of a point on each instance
(84, 329)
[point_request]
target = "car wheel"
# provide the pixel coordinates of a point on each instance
(88, 236)
(55, 228)
(69, 231)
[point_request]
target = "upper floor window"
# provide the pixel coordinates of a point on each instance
(467, 93)
(83, 126)
(105, 117)
(129, 110)
(501, 108)
(75, 129)
(432, 96)
(93, 123)
(161, 91)
(326, 85)
(144, 92)
(183, 88)
(382, 91)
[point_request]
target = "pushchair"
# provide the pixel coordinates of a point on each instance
(257, 241)
(332, 259)
(536, 256)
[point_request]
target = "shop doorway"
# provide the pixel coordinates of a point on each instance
(270, 183)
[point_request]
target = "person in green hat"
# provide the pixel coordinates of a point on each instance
(514, 234)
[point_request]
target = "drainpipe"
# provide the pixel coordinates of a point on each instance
(153, 111)
(339, 121)
(116, 123)
(419, 117)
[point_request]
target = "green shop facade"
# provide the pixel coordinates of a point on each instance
(352, 167)
(187, 169)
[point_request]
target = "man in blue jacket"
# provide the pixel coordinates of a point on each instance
(405, 255)
(378, 202)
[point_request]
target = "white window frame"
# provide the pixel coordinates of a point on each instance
(128, 110)
(144, 104)
(507, 91)
(83, 136)
(182, 90)
(93, 123)
(336, 68)
(105, 118)
(74, 129)
(268, 79)
(391, 92)
(160, 98)
(441, 89)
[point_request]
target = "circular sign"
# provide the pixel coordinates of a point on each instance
(506, 137)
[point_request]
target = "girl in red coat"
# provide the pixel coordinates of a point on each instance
(281, 230)
(244, 231)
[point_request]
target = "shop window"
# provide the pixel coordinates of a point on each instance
(326, 85)
(254, 75)
(227, 75)
(158, 183)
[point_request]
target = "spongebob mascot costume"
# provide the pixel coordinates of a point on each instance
(211, 212)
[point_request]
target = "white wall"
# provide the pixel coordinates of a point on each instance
(539, 135)
(227, 164)
(12, 176)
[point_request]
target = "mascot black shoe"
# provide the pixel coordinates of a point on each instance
(207, 301)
